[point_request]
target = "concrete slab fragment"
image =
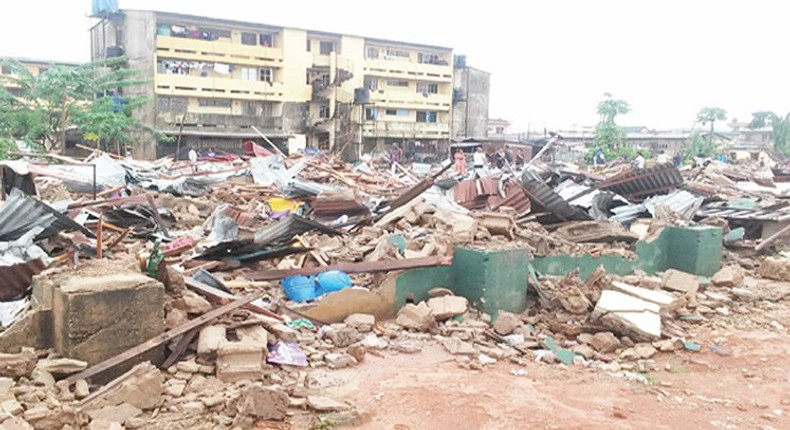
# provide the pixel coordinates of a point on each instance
(628, 315)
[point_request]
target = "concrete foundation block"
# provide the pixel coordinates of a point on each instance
(696, 249)
(95, 318)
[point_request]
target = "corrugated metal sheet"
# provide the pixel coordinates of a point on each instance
(333, 207)
(679, 201)
(465, 191)
(17, 278)
(776, 215)
(489, 185)
(641, 183)
(540, 193)
(516, 199)
(286, 229)
(21, 213)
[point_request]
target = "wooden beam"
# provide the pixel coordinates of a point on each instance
(764, 244)
(160, 339)
(157, 218)
(221, 297)
(181, 347)
(361, 267)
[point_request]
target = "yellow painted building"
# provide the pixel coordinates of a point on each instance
(35, 67)
(216, 81)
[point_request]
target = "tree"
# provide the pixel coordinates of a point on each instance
(780, 129)
(86, 97)
(709, 115)
(608, 136)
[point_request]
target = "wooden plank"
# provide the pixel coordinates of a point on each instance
(220, 297)
(361, 267)
(765, 243)
(181, 347)
(160, 339)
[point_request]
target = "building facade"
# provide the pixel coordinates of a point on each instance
(35, 67)
(471, 97)
(218, 83)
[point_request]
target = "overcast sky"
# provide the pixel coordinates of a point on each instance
(551, 61)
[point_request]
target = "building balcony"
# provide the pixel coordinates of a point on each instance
(410, 99)
(406, 129)
(217, 51)
(409, 70)
(226, 88)
(212, 120)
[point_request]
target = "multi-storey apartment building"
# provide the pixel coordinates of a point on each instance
(35, 67)
(215, 82)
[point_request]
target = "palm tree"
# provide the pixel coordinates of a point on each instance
(711, 115)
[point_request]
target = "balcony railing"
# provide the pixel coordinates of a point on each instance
(405, 129)
(217, 51)
(194, 86)
(411, 98)
(409, 70)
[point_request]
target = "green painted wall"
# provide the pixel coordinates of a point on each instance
(498, 279)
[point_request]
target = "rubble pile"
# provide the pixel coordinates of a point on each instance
(206, 294)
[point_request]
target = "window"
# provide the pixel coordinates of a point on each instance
(225, 103)
(397, 54)
(428, 58)
(309, 47)
(171, 104)
(500, 130)
(263, 109)
(397, 112)
(267, 74)
(249, 39)
(426, 116)
(266, 40)
(249, 74)
(372, 52)
(371, 114)
(326, 48)
(323, 112)
(371, 83)
(427, 88)
(5, 70)
(396, 83)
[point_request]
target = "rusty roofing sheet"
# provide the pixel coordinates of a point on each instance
(516, 199)
(15, 279)
(640, 183)
(330, 207)
(489, 185)
(542, 194)
(465, 191)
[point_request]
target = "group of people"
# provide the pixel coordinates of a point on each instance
(599, 159)
(503, 157)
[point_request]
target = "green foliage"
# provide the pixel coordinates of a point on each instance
(609, 136)
(699, 146)
(780, 129)
(62, 98)
(6, 146)
(709, 115)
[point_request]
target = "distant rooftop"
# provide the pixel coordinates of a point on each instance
(26, 60)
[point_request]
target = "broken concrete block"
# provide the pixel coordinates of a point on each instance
(604, 342)
(62, 367)
(42, 378)
(192, 408)
(325, 404)
(254, 335)
(102, 424)
(446, 307)
(675, 280)
(644, 350)
(775, 268)
(729, 276)
(583, 350)
(191, 303)
(12, 407)
(407, 346)
(115, 413)
(175, 388)
(415, 317)
(188, 366)
(237, 361)
(506, 322)
(358, 352)
(342, 335)
(283, 332)
(628, 315)
(650, 282)
(18, 365)
(362, 322)
(140, 387)
(87, 317)
(16, 424)
(458, 347)
(658, 297)
(81, 389)
(372, 341)
(209, 341)
(339, 360)
(263, 403)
